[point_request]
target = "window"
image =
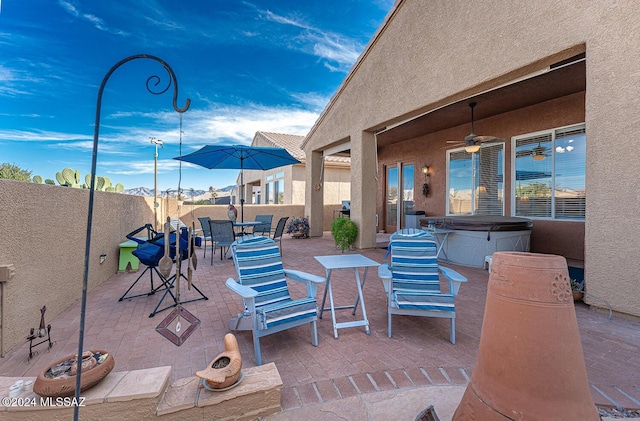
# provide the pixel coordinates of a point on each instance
(274, 188)
(475, 181)
(550, 174)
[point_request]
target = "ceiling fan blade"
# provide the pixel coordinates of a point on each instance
(484, 139)
(453, 141)
(520, 154)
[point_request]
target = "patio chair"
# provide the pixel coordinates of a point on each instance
(262, 284)
(222, 235)
(279, 231)
(412, 281)
(176, 224)
(206, 232)
(149, 252)
(265, 227)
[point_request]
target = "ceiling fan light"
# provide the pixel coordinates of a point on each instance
(472, 148)
(538, 157)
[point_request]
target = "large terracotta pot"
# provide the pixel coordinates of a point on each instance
(530, 362)
(45, 386)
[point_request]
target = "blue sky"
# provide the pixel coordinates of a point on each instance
(245, 65)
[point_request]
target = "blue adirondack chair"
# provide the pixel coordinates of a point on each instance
(262, 284)
(412, 279)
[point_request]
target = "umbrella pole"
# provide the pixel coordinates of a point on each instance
(242, 190)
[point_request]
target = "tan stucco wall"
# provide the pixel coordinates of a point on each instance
(43, 236)
(336, 186)
(433, 53)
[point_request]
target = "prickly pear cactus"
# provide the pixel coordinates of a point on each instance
(60, 179)
(87, 180)
(119, 188)
(77, 176)
(100, 182)
(69, 176)
(49, 181)
(107, 182)
(37, 179)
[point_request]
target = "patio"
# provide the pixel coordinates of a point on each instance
(418, 355)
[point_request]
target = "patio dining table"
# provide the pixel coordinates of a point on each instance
(243, 225)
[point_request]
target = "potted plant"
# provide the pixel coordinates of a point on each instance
(577, 288)
(344, 232)
(298, 227)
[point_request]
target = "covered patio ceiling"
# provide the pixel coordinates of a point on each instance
(558, 81)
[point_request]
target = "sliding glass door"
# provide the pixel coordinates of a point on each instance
(398, 195)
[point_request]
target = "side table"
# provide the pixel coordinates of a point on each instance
(127, 257)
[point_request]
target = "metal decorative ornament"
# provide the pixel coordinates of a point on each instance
(425, 189)
(152, 84)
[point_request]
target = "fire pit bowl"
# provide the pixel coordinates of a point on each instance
(57, 381)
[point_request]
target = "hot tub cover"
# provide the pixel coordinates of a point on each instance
(479, 223)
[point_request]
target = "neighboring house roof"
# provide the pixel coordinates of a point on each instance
(291, 143)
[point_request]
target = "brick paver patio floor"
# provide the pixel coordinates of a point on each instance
(418, 354)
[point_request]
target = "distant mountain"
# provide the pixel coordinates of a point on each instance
(147, 192)
(139, 191)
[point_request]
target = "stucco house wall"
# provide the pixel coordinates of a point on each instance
(430, 54)
(335, 187)
(555, 237)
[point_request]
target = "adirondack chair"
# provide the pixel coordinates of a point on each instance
(262, 284)
(412, 281)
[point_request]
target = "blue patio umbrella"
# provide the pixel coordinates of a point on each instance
(239, 157)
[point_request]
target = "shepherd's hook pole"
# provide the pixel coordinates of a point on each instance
(96, 130)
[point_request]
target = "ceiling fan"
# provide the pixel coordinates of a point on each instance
(472, 141)
(538, 153)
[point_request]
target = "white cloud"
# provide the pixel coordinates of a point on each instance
(332, 47)
(224, 124)
(335, 48)
(70, 8)
(73, 9)
(165, 166)
(311, 99)
(12, 81)
(39, 136)
(285, 20)
(218, 124)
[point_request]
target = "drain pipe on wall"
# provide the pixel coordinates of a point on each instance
(6, 272)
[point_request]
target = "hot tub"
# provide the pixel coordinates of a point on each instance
(467, 240)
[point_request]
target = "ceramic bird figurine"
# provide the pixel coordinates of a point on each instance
(225, 369)
(232, 212)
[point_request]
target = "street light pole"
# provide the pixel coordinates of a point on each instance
(156, 142)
